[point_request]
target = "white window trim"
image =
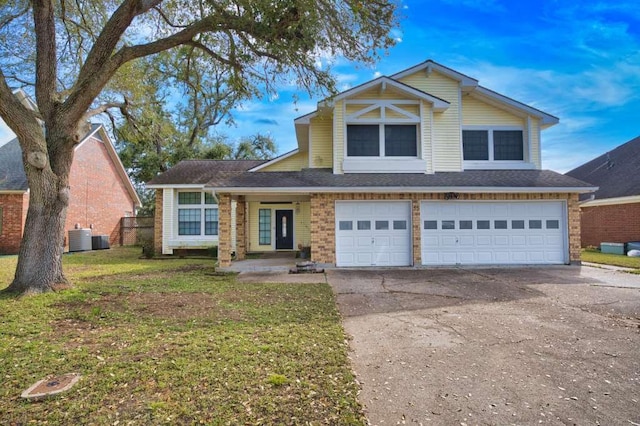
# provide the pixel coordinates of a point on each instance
(202, 206)
(525, 163)
(383, 163)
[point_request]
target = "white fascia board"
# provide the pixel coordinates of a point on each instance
(14, 191)
(176, 186)
(546, 119)
(611, 201)
(404, 189)
(429, 66)
(439, 105)
(275, 160)
(305, 119)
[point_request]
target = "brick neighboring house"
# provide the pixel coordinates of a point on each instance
(101, 192)
(423, 167)
(612, 213)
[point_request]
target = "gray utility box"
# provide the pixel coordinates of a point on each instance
(612, 248)
(80, 239)
(633, 245)
(100, 242)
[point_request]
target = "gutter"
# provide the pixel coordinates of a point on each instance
(407, 189)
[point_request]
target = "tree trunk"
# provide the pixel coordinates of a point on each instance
(39, 267)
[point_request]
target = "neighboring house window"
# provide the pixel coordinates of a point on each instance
(493, 145)
(382, 140)
(264, 227)
(193, 207)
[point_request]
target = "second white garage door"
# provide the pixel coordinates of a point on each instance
(476, 233)
(373, 233)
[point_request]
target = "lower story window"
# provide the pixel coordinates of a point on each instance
(264, 227)
(211, 222)
(189, 221)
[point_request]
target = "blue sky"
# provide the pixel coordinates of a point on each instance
(578, 60)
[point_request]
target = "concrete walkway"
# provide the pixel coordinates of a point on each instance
(272, 268)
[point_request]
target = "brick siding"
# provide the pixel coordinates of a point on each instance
(224, 230)
(241, 226)
(323, 218)
(14, 213)
(618, 223)
(99, 196)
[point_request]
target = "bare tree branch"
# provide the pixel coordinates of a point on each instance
(166, 19)
(103, 108)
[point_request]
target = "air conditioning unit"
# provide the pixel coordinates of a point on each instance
(100, 242)
(79, 240)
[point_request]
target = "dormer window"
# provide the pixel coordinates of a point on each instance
(382, 140)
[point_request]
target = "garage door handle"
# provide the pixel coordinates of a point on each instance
(373, 241)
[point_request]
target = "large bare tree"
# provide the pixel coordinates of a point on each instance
(76, 57)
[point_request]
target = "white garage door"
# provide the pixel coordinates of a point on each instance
(476, 233)
(373, 233)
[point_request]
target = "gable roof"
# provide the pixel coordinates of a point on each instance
(468, 84)
(12, 176)
(439, 104)
(199, 172)
(616, 172)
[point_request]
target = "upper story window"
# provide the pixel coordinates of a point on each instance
(382, 140)
(493, 145)
(197, 213)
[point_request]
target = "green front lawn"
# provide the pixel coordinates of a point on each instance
(174, 342)
(611, 259)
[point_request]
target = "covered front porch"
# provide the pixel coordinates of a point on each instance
(260, 223)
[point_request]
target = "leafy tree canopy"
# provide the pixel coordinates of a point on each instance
(85, 57)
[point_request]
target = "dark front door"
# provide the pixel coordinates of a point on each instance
(284, 229)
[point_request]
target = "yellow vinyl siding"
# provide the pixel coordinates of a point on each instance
(447, 148)
(478, 113)
(338, 137)
(534, 141)
(301, 227)
(425, 134)
(321, 142)
(377, 93)
(294, 163)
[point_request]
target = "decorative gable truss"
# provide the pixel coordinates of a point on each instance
(384, 127)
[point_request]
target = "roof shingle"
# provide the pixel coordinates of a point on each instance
(199, 172)
(616, 173)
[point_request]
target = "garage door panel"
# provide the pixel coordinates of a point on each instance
(448, 241)
(502, 256)
(466, 257)
(483, 240)
(535, 240)
(501, 240)
(493, 232)
(518, 240)
(484, 257)
(467, 240)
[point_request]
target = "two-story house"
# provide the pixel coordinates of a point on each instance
(424, 167)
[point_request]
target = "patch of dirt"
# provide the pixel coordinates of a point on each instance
(175, 306)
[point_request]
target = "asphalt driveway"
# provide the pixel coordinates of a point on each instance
(557, 345)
